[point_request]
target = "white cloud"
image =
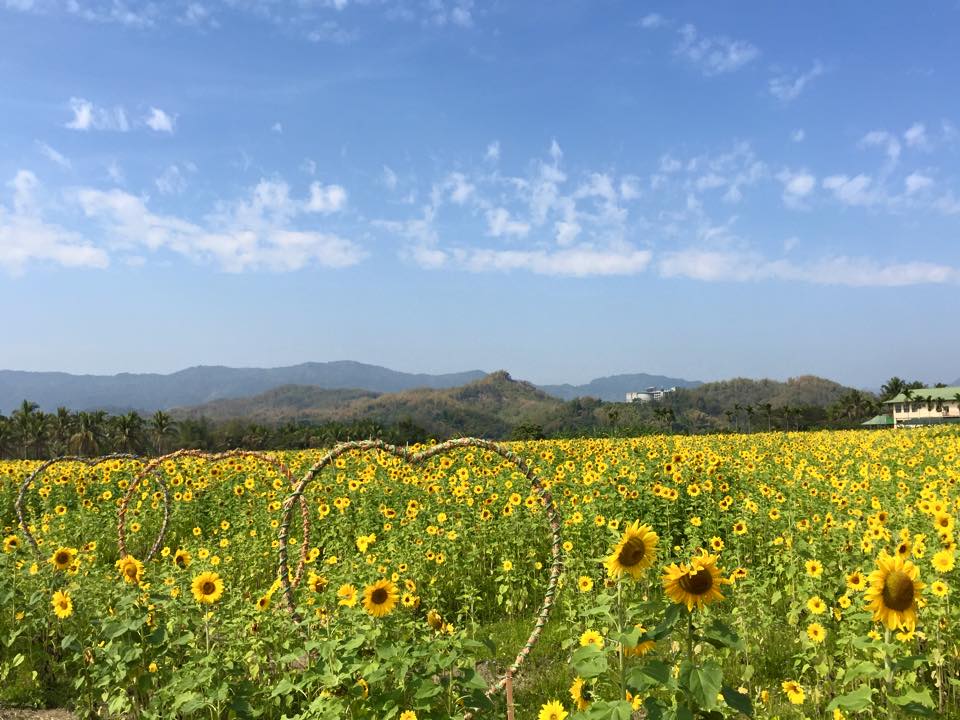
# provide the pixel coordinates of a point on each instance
(714, 55)
(115, 172)
(574, 262)
(87, 116)
(54, 156)
(916, 137)
(389, 178)
(630, 188)
(249, 234)
(172, 181)
(796, 186)
(460, 188)
(499, 224)
(25, 237)
(881, 138)
(159, 121)
(851, 190)
(326, 199)
(652, 21)
(798, 135)
(493, 151)
(746, 266)
(789, 87)
(277, 128)
(915, 182)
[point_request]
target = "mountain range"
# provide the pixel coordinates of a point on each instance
(147, 392)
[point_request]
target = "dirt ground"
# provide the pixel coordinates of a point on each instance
(14, 714)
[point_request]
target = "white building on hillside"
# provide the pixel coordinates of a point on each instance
(925, 406)
(651, 393)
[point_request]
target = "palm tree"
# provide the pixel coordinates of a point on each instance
(161, 426)
(768, 409)
(750, 412)
(128, 431)
(61, 428)
(88, 435)
(6, 435)
(893, 387)
(23, 423)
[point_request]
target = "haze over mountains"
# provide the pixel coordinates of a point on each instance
(147, 392)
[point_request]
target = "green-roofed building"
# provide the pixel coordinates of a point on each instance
(925, 406)
(879, 421)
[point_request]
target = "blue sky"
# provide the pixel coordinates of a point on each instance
(562, 189)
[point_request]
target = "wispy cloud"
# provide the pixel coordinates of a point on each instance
(787, 88)
(253, 233)
(54, 156)
(714, 55)
(26, 237)
(160, 121)
(87, 116)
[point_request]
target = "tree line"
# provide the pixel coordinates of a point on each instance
(30, 433)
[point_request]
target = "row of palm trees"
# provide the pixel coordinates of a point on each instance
(31, 433)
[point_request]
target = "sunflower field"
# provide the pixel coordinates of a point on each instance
(773, 575)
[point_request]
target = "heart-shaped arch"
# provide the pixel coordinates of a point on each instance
(155, 468)
(90, 463)
(416, 458)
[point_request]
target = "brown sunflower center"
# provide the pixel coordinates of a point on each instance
(62, 558)
(208, 587)
(697, 583)
(378, 596)
(898, 591)
(131, 571)
(632, 552)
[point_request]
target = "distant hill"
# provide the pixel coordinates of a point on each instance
(615, 387)
(716, 397)
(283, 404)
(148, 392)
(489, 407)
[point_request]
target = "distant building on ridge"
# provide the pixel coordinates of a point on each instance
(650, 394)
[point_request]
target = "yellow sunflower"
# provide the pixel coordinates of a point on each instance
(635, 552)
(11, 543)
(939, 588)
(131, 569)
(591, 637)
(794, 691)
(347, 594)
(642, 647)
(380, 598)
(856, 580)
(893, 592)
(944, 561)
(581, 694)
(62, 558)
(816, 632)
(552, 710)
(207, 588)
(814, 568)
(62, 605)
(182, 558)
(696, 584)
(584, 583)
(816, 605)
(317, 583)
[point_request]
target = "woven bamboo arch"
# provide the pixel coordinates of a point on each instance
(89, 462)
(155, 468)
(415, 458)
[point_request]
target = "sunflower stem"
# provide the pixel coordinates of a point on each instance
(690, 702)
